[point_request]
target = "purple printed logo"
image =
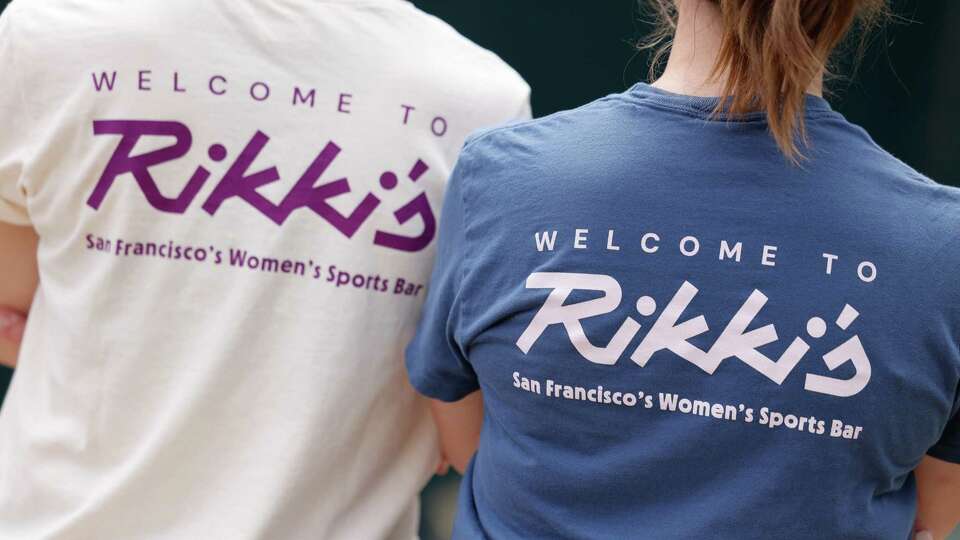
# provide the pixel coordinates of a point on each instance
(239, 182)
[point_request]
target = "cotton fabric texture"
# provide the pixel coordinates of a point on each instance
(678, 334)
(236, 202)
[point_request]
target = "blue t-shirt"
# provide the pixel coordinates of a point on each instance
(680, 335)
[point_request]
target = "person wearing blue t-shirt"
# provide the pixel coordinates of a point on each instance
(697, 317)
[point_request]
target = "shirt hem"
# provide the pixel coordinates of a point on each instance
(446, 392)
(950, 454)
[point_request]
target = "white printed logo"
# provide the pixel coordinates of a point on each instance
(668, 333)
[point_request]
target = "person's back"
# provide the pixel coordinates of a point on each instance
(686, 337)
(684, 327)
(237, 203)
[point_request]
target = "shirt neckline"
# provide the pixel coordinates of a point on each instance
(705, 107)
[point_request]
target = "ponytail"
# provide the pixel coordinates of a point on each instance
(772, 51)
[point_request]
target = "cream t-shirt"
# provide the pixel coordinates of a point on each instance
(237, 202)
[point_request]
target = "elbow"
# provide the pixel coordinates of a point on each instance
(460, 462)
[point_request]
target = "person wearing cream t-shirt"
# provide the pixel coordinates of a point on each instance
(236, 205)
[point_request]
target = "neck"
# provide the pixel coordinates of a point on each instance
(693, 55)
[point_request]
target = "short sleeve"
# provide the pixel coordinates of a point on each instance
(13, 203)
(436, 359)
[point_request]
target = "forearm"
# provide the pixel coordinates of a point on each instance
(18, 267)
(11, 332)
(938, 486)
(459, 424)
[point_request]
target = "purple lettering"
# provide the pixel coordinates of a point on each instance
(144, 80)
(240, 183)
(122, 162)
(443, 129)
(213, 90)
(305, 194)
(345, 101)
(418, 206)
(406, 112)
(310, 97)
(99, 83)
(265, 93)
(176, 83)
(237, 183)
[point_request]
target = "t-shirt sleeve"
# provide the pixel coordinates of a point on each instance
(436, 359)
(13, 200)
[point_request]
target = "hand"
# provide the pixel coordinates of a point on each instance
(443, 467)
(12, 325)
(924, 535)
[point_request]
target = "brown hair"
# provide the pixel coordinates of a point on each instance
(771, 51)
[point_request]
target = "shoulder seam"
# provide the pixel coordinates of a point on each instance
(484, 134)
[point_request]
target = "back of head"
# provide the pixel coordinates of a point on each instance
(773, 51)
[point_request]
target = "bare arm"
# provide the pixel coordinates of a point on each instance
(18, 283)
(938, 485)
(459, 424)
(12, 325)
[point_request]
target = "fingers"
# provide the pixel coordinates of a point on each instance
(924, 535)
(444, 467)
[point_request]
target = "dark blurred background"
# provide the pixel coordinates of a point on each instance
(904, 91)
